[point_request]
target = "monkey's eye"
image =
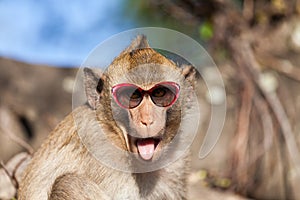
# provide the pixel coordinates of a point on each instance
(135, 95)
(127, 96)
(159, 92)
(165, 94)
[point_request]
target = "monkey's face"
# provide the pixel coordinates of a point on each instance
(142, 102)
(146, 92)
(146, 109)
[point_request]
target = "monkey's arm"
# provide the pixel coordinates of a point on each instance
(76, 187)
(53, 165)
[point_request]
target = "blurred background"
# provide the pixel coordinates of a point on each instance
(63, 34)
(255, 44)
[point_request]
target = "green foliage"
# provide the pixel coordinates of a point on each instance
(147, 13)
(206, 31)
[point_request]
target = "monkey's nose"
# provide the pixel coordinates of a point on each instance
(147, 121)
(146, 112)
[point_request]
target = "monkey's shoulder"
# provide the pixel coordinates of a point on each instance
(65, 133)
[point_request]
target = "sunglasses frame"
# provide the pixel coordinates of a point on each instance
(143, 92)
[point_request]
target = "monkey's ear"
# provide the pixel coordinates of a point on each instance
(189, 73)
(93, 83)
(140, 42)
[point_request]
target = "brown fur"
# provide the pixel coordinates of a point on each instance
(63, 168)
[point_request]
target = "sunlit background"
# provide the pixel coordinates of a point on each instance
(62, 33)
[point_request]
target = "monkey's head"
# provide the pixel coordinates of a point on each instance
(141, 99)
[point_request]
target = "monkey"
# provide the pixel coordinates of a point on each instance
(139, 102)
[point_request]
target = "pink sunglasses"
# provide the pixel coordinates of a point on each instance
(130, 96)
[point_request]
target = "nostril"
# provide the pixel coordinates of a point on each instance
(147, 122)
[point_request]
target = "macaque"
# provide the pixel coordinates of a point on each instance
(139, 102)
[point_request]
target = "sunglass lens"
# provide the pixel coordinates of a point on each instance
(129, 96)
(164, 95)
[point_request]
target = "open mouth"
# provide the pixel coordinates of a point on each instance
(146, 147)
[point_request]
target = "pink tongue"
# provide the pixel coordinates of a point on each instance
(146, 148)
